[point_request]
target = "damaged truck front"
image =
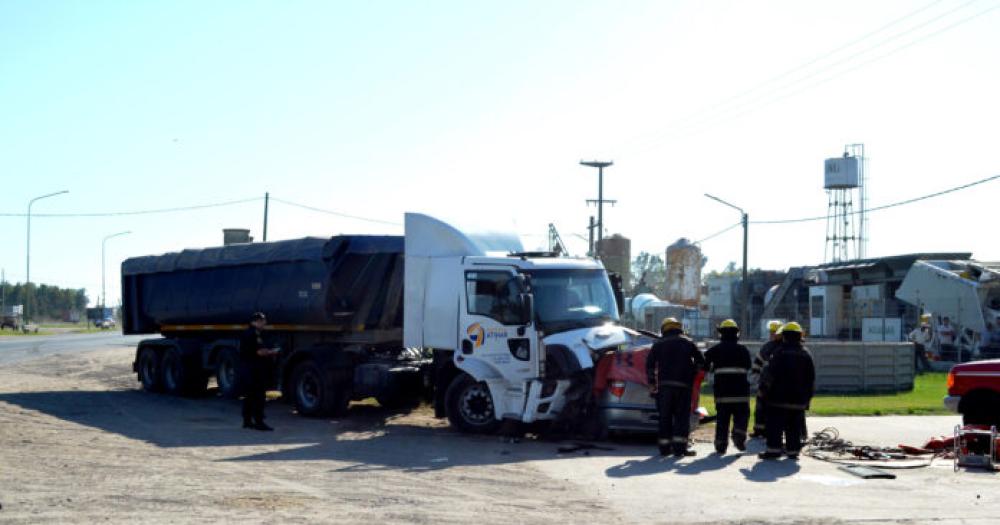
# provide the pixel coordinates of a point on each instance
(515, 335)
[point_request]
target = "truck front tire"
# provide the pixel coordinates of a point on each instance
(470, 406)
(980, 408)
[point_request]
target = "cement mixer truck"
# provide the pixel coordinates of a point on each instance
(488, 331)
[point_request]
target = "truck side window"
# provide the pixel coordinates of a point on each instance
(494, 295)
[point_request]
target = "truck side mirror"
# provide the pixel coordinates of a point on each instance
(527, 309)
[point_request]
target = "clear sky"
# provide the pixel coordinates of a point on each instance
(481, 111)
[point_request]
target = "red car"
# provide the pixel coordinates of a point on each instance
(974, 392)
(623, 397)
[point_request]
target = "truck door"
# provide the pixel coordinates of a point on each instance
(495, 331)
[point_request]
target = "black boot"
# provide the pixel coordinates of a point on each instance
(260, 425)
(247, 423)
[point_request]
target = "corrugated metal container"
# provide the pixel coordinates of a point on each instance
(683, 265)
(616, 254)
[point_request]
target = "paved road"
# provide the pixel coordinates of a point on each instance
(14, 349)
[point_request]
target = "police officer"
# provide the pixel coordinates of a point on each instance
(259, 362)
(761, 359)
(671, 367)
(788, 382)
(730, 362)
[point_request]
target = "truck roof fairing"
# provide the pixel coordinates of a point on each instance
(430, 237)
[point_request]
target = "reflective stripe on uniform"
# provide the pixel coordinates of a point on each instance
(787, 406)
(674, 383)
(744, 399)
(664, 441)
(774, 450)
(730, 370)
(680, 439)
(739, 432)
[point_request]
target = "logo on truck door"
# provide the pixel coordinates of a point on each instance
(476, 334)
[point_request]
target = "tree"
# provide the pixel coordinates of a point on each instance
(649, 274)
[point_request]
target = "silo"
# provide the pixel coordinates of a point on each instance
(616, 254)
(683, 266)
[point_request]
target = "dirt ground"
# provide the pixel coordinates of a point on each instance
(80, 443)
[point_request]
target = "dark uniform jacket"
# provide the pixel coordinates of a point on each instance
(260, 366)
(789, 379)
(730, 362)
(675, 360)
(764, 355)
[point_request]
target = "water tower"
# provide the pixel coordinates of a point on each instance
(846, 230)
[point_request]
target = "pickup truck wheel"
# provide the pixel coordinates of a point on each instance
(228, 373)
(317, 392)
(470, 406)
(984, 412)
(149, 370)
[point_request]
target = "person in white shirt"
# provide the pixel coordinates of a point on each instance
(946, 340)
(921, 338)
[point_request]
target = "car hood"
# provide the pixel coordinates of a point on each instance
(582, 342)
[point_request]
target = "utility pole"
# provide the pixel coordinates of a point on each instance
(600, 165)
(745, 289)
(590, 238)
(267, 198)
(104, 297)
(27, 264)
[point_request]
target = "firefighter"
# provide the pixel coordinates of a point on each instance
(788, 382)
(258, 360)
(761, 359)
(730, 362)
(671, 367)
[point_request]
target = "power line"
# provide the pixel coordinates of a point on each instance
(137, 212)
(720, 232)
(336, 213)
(886, 206)
(773, 96)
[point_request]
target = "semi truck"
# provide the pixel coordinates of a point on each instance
(488, 332)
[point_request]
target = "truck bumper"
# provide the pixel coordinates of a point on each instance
(951, 402)
(545, 399)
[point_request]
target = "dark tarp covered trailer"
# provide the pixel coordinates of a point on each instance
(349, 283)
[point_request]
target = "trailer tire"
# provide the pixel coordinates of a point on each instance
(317, 392)
(229, 373)
(470, 406)
(180, 376)
(148, 369)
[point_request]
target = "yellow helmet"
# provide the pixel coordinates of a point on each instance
(670, 323)
(728, 323)
(774, 327)
(791, 326)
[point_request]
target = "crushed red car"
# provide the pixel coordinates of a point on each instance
(623, 397)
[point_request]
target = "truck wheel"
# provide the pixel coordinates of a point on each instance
(180, 376)
(982, 412)
(149, 370)
(317, 392)
(470, 406)
(228, 373)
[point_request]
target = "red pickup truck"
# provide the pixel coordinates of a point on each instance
(974, 391)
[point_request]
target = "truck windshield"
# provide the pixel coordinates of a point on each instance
(567, 299)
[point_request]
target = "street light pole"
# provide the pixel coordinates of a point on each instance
(104, 297)
(745, 288)
(27, 264)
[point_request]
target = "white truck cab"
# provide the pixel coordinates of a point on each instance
(514, 334)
